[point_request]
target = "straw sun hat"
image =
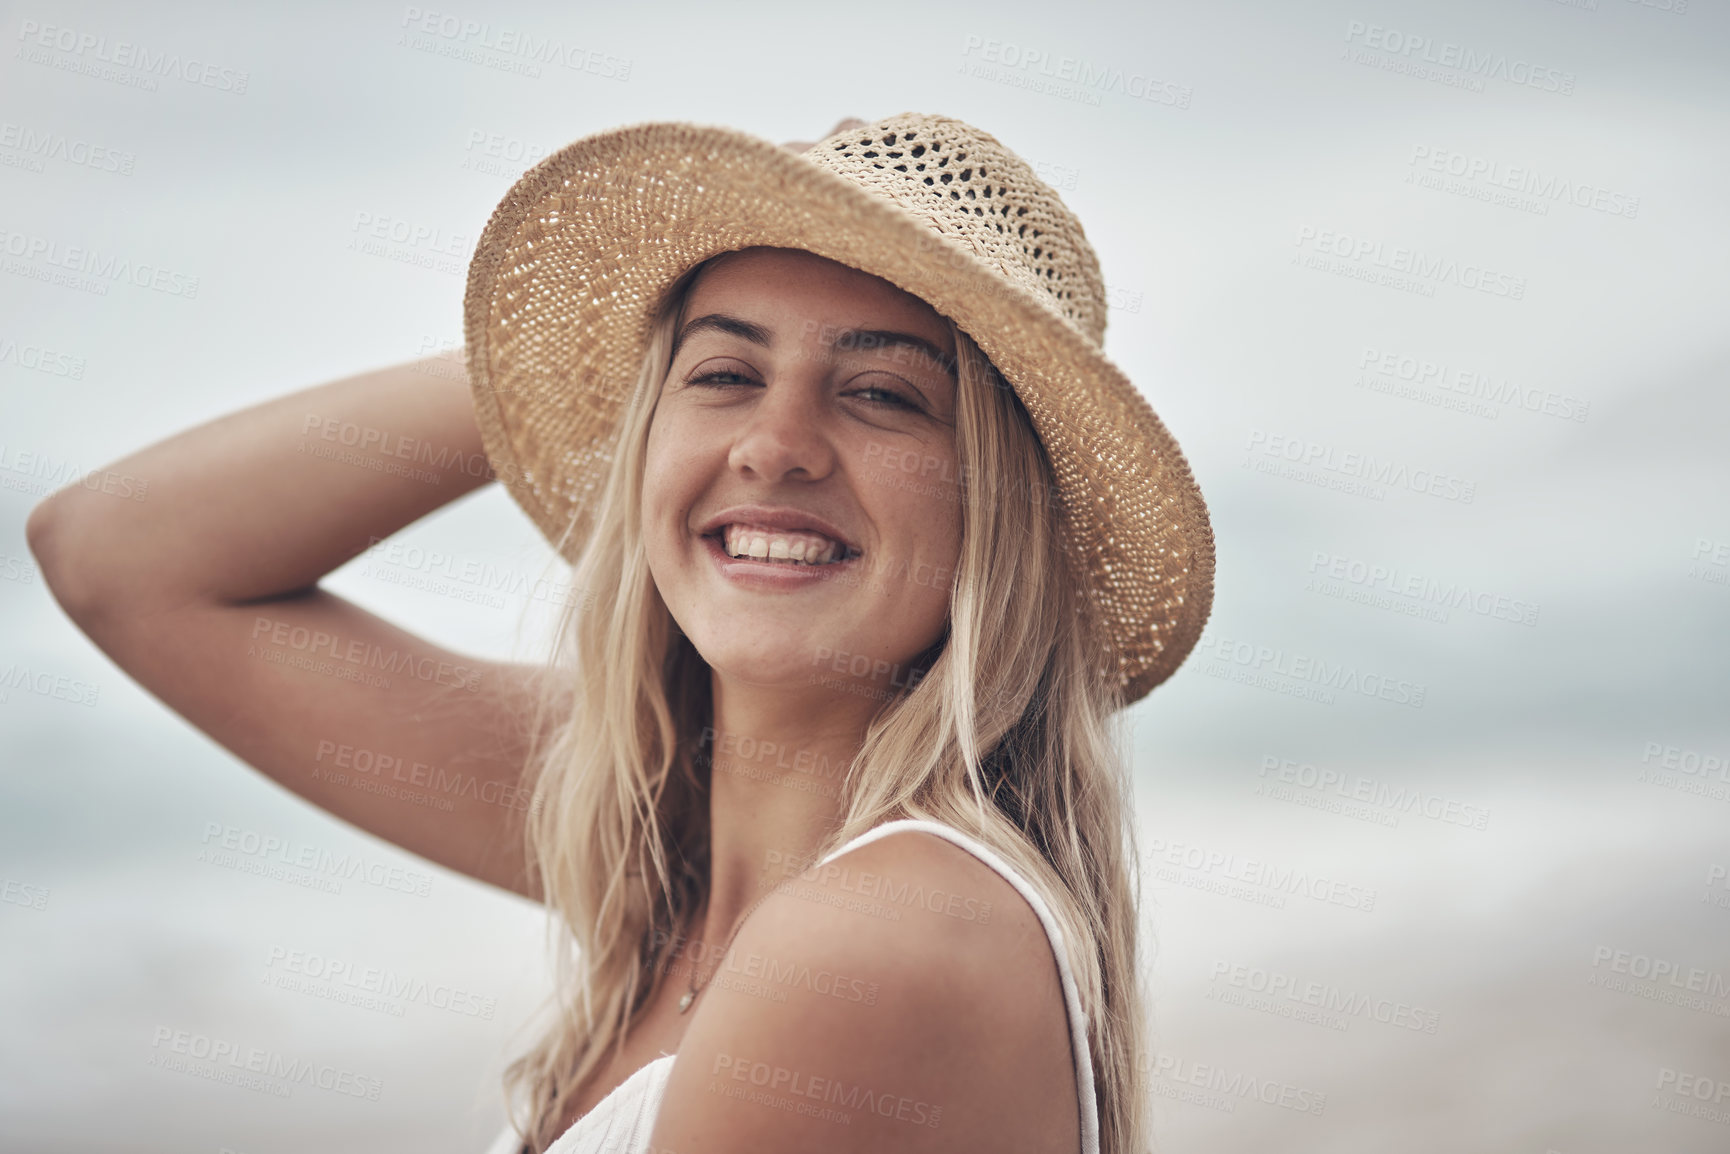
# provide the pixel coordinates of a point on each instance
(571, 269)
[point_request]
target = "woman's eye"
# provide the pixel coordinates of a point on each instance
(886, 397)
(721, 377)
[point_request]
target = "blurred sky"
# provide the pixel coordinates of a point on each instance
(1243, 210)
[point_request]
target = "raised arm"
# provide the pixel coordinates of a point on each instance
(197, 573)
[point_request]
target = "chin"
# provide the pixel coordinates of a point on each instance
(791, 669)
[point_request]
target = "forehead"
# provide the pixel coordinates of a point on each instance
(780, 287)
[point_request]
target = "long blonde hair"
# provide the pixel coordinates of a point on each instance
(1010, 736)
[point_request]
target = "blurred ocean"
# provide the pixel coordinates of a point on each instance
(1435, 823)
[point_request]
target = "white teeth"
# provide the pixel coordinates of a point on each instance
(771, 545)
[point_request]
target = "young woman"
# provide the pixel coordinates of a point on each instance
(871, 542)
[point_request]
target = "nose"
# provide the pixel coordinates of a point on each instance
(784, 437)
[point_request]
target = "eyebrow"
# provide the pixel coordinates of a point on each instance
(888, 338)
(862, 339)
(721, 322)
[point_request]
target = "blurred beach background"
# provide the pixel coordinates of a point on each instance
(1435, 822)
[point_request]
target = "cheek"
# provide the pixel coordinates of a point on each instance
(930, 553)
(948, 554)
(941, 543)
(665, 481)
(655, 481)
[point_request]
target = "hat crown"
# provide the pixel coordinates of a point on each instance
(971, 189)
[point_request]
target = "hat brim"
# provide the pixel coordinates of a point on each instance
(568, 275)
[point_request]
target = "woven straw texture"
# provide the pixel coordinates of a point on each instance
(573, 264)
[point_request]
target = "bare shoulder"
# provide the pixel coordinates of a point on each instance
(903, 997)
(924, 904)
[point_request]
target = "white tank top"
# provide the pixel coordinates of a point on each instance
(621, 1122)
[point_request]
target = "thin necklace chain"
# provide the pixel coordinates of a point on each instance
(694, 988)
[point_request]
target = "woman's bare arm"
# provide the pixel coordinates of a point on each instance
(206, 592)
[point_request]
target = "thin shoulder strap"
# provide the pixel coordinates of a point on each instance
(1071, 999)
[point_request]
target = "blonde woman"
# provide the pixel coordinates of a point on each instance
(872, 542)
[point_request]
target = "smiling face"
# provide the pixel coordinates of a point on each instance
(808, 416)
